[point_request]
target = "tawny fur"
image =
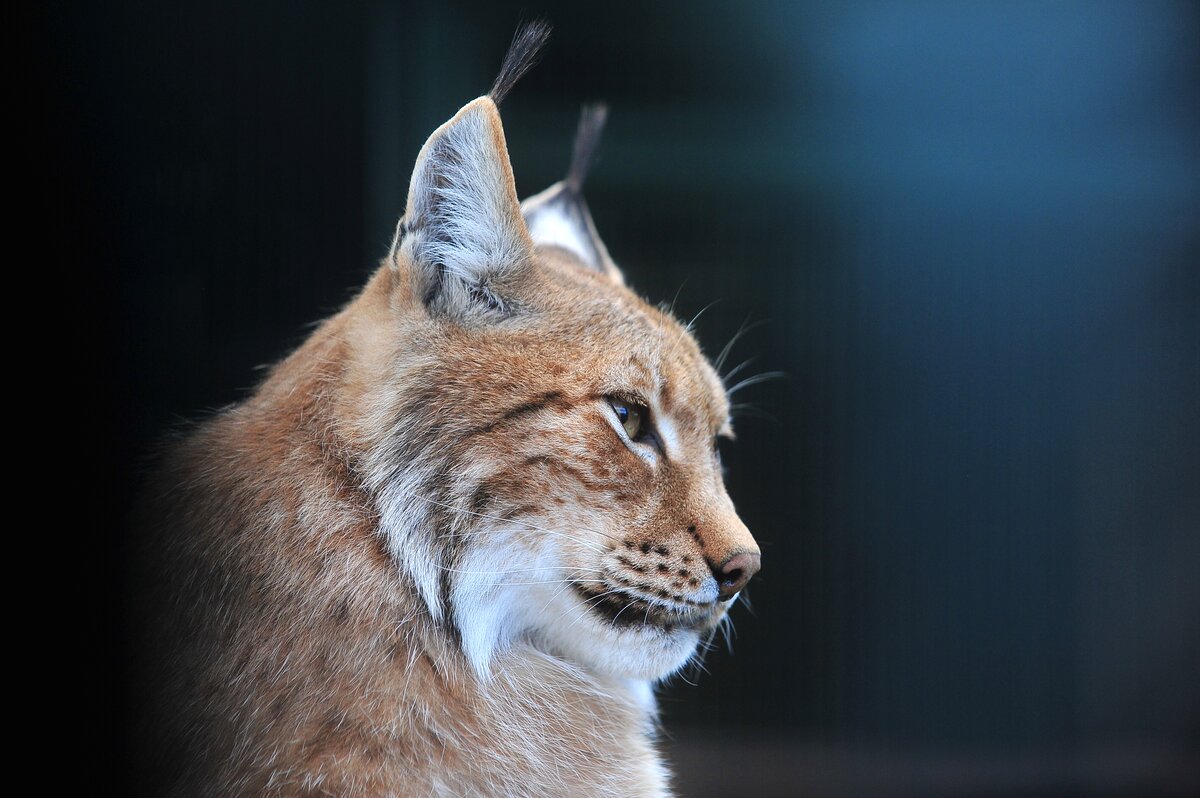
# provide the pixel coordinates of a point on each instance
(371, 578)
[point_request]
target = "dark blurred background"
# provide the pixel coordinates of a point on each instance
(971, 234)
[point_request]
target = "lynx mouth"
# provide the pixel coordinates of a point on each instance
(624, 610)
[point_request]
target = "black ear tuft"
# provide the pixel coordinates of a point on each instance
(559, 216)
(521, 56)
(587, 139)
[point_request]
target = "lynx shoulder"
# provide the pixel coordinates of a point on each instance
(450, 543)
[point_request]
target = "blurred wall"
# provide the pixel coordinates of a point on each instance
(969, 234)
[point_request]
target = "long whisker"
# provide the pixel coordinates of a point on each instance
(727, 629)
(742, 330)
(627, 606)
(510, 570)
(663, 317)
(707, 647)
(561, 582)
(602, 595)
(756, 379)
(682, 674)
(695, 663)
(595, 598)
(553, 598)
(675, 298)
(689, 326)
(727, 377)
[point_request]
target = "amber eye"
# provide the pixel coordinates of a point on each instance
(631, 415)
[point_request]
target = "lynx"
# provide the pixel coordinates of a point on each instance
(450, 543)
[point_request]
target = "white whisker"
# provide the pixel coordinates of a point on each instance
(561, 582)
(745, 327)
(689, 326)
(473, 572)
(557, 593)
(627, 606)
(725, 378)
(756, 379)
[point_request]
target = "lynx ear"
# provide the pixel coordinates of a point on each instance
(463, 231)
(559, 215)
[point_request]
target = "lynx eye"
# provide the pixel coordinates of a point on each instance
(631, 415)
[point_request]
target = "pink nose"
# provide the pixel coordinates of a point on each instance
(734, 573)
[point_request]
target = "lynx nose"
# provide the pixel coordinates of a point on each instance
(734, 573)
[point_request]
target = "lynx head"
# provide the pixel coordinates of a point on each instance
(539, 440)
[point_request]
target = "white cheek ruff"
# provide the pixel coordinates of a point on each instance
(490, 587)
(563, 623)
(503, 592)
(512, 584)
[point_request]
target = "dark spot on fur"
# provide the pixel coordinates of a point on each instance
(645, 548)
(341, 613)
(661, 550)
(687, 558)
(694, 582)
(692, 529)
(682, 572)
(480, 499)
(662, 568)
(641, 569)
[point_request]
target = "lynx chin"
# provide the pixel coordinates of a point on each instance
(449, 544)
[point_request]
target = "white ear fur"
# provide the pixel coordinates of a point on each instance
(559, 217)
(463, 228)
